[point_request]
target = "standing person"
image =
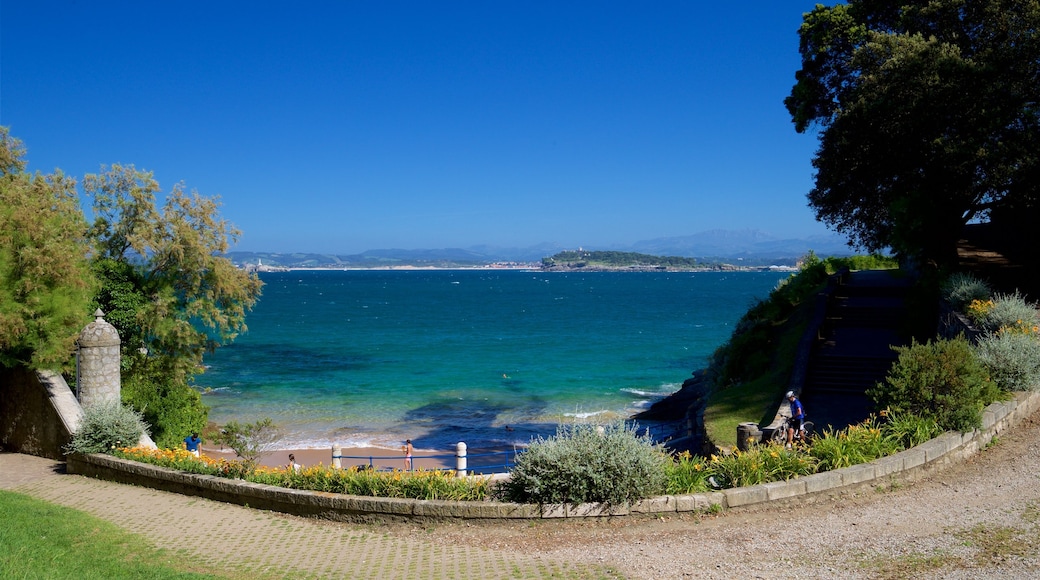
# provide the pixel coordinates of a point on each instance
(407, 448)
(192, 442)
(797, 417)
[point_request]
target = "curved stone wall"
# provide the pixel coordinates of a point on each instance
(906, 465)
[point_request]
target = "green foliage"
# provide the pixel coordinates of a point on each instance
(44, 540)
(939, 380)
(583, 463)
(854, 445)
(418, 484)
(909, 429)
(582, 258)
(749, 371)
(761, 464)
(167, 291)
(1011, 358)
(926, 116)
(105, 427)
(174, 410)
(1008, 312)
(165, 285)
(960, 289)
(751, 351)
(687, 474)
(45, 282)
(250, 441)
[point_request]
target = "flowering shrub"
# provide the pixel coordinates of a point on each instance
(962, 289)
(419, 484)
(1005, 313)
(855, 444)
(978, 310)
(878, 436)
(760, 465)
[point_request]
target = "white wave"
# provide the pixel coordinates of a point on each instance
(586, 415)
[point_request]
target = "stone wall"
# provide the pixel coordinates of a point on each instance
(38, 412)
(907, 465)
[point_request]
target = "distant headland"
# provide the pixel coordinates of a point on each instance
(715, 250)
(567, 261)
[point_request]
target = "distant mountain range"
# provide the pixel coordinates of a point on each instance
(749, 247)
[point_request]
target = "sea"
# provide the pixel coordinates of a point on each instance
(369, 358)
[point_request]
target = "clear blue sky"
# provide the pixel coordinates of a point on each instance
(343, 126)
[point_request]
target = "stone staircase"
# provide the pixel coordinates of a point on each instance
(865, 316)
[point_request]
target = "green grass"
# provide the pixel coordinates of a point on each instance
(41, 540)
(759, 399)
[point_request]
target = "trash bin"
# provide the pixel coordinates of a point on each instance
(748, 434)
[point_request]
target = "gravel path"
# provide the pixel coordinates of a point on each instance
(976, 519)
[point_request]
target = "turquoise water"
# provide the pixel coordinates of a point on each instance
(370, 358)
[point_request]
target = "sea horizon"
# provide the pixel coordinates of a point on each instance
(494, 357)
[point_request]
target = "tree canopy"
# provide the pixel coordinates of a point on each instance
(168, 290)
(168, 286)
(928, 118)
(45, 281)
(158, 274)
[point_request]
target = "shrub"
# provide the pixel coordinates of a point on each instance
(105, 427)
(172, 409)
(250, 441)
(1008, 312)
(855, 444)
(962, 289)
(687, 474)
(1012, 359)
(939, 380)
(583, 463)
(909, 429)
(761, 464)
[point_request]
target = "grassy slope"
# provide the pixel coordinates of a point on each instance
(757, 400)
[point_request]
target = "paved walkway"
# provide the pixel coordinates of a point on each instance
(249, 543)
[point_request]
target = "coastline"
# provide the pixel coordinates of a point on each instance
(379, 458)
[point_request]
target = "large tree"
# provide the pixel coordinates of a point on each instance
(45, 280)
(927, 115)
(168, 290)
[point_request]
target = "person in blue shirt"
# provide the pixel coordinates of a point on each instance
(192, 442)
(797, 417)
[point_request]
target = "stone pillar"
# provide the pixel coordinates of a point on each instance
(97, 362)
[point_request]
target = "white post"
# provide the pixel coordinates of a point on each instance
(337, 450)
(460, 459)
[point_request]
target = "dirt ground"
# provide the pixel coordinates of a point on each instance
(976, 519)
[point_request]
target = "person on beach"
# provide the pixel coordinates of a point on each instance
(797, 417)
(407, 448)
(192, 442)
(293, 466)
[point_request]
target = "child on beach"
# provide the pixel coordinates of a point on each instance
(407, 448)
(293, 466)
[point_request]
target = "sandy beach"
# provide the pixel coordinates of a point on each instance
(376, 457)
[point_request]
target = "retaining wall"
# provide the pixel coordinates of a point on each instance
(38, 412)
(906, 465)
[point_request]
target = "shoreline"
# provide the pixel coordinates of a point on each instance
(377, 457)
